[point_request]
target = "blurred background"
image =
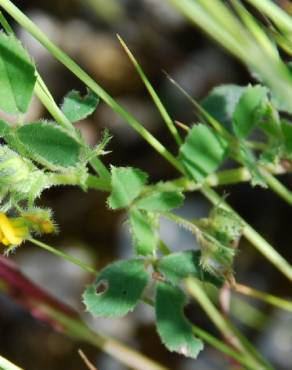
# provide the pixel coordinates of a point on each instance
(162, 41)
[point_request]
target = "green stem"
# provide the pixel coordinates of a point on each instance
(222, 347)
(265, 297)
(73, 179)
(27, 24)
(64, 256)
(277, 187)
(226, 328)
(47, 100)
(98, 183)
(225, 177)
(275, 13)
(7, 365)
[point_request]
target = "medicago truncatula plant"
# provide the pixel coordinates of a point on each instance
(38, 155)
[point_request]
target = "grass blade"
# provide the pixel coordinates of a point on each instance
(164, 114)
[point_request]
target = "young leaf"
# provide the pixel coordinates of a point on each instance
(127, 184)
(77, 107)
(179, 266)
(18, 76)
(160, 201)
(221, 233)
(144, 231)
(244, 116)
(225, 226)
(48, 144)
(216, 258)
(117, 289)
(221, 103)
(202, 152)
(173, 328)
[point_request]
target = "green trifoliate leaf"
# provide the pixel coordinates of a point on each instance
(49, 145)
(18, 76)
(127, 183)
(221, 103)
(173, 328)
(178, 266)
(244, 116)
(117, 289)
(202, 152)
(160, 201)
(144, 232)
(77, 107)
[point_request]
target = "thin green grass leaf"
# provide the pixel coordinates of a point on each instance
(164, 114)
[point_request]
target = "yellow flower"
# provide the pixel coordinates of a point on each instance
(40, 222)
(12, 231)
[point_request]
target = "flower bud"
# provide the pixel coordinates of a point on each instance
(39, 220)
(13, 169)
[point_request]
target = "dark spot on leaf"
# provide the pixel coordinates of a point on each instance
(124, 292)
(101, 287)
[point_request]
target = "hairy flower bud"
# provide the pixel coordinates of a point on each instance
(13, 169)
